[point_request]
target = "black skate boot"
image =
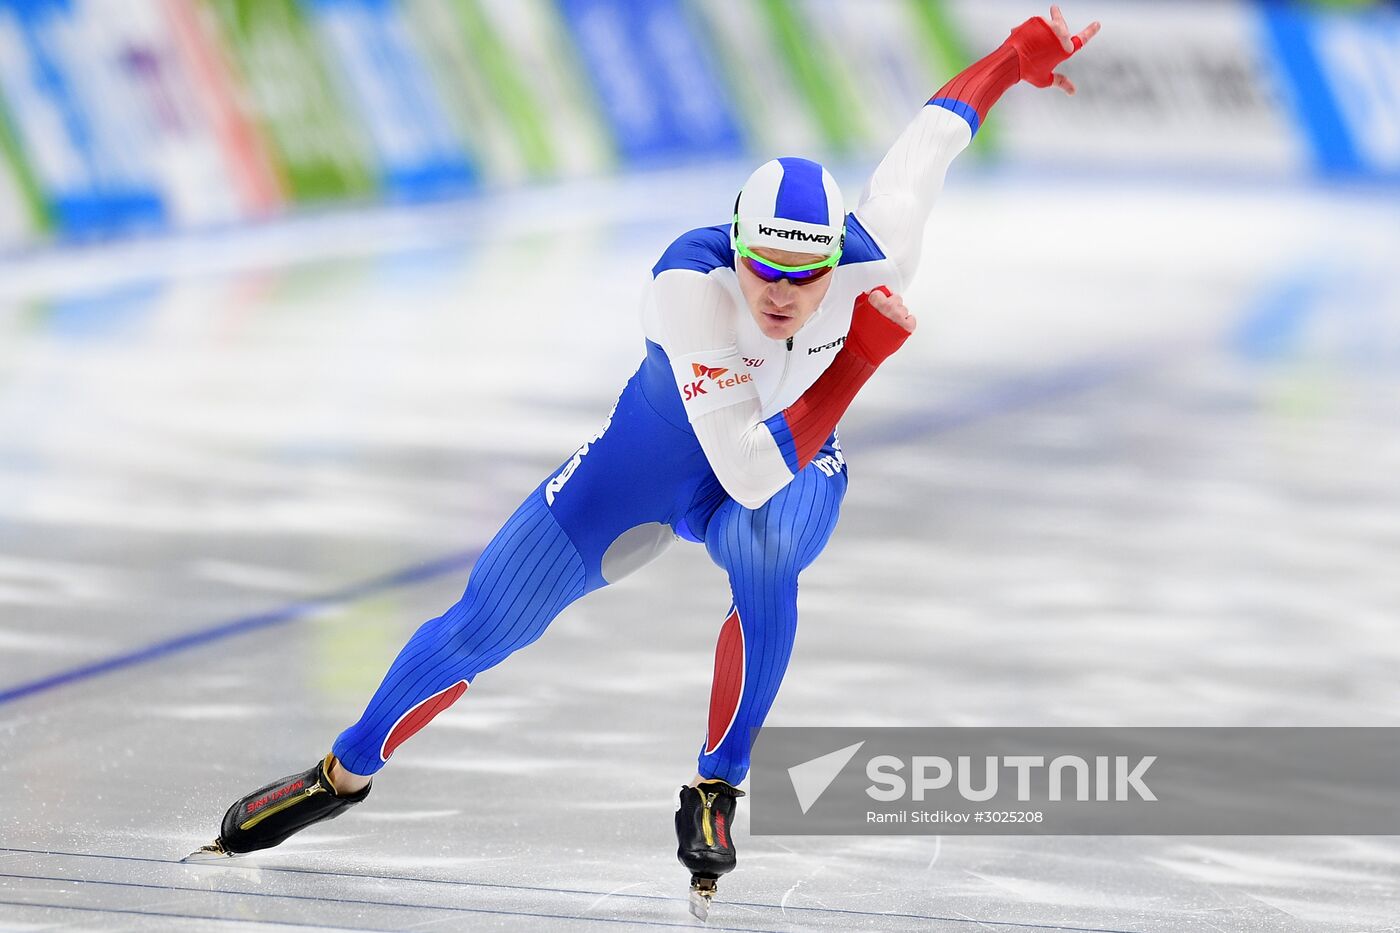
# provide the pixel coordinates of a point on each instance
(270, 814)
(703, 823)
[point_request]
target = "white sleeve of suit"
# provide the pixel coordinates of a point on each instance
(899, 197)
(697, 332)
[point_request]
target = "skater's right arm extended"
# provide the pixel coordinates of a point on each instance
(754, 457)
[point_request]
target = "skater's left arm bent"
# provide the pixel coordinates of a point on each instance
(751, 456)
(696, 328)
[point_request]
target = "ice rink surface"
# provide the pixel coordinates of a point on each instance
(1138, 467)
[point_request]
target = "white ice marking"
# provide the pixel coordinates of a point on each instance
(252, 576)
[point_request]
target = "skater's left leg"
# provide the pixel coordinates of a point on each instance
(763, 550)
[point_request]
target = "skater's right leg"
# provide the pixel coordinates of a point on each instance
(604, 513)
(526, 576)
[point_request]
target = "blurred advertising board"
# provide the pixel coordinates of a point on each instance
(15, 221)
(656, 79)
(539, 42)
(769, 100)
(817, 77)
(319, 149)
(886, 59)
(119, 115)
(1343, 77)
(249, 175)
(1171, 86)
(384, 78)
(789, 75)
(514, 87)
(70, 91)
(22, 212)
(189, 161)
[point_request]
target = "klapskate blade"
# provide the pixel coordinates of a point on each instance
(702, 891)
(212, 852)
(700, 906)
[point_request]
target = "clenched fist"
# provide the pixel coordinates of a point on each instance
(879, 325)
(892, 307)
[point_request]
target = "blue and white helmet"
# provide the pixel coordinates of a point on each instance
(792, 204)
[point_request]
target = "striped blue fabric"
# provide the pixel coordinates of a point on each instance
(526, 576)
(782, 434)
(763, 550)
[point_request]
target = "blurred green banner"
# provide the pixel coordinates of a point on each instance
(319, 151)
(22, 208)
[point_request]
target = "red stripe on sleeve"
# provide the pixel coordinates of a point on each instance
(981, 84)
(871, 340)
(1031, 53)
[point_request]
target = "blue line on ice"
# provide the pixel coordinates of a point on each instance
(289, 613)
(512, 887)
(993, 400)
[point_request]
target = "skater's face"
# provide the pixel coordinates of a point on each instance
(781, 308)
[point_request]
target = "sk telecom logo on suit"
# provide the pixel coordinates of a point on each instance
(719, 377)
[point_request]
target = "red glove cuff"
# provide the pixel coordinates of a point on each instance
(873, 336)
(1039, 50)
(811, 419)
